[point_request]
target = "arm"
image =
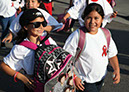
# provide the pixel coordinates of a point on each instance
(78, 83)
(115, 65)
(28, 82)
(65, 17)
(8, 38)
(77, 9)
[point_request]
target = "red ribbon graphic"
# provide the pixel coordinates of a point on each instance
(104, 51)
(94, 0)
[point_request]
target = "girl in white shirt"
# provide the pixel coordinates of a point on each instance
(76, 11)
(93, 61)
(33, 25)
(15, 26)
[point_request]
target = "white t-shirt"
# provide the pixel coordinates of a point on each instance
(79, 6)
(19, 3)
(21, 57)
(6, 8)
(91, 65)
(15, 26)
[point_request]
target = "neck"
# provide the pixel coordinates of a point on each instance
(33, 39)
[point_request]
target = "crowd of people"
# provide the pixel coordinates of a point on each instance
(28, 20)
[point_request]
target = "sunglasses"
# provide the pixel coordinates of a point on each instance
(37, 24)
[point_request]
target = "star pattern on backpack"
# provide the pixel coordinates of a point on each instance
(52, 66)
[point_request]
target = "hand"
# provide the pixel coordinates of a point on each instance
(8, 38)
(114, 14)
(63, 20)
(116, 77)
(78, 84)
(30, 84)
(19, 10)
(27, 81)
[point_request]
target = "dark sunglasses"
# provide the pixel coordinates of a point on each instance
(37, 24)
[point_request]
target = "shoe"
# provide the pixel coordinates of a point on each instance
(3, 46)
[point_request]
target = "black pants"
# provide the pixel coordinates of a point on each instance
(27, 89)
(92, 87)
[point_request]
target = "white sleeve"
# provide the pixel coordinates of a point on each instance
(15, 57)
(72, 43)
(78, 8)
(112, 49)
(51, 20)
(15, 26)
(52, 41)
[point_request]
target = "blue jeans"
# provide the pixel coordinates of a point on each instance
(92, 87)
(5, 23)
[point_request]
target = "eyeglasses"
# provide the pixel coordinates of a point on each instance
(37, 24)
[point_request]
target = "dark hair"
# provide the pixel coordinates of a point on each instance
(93, 7)
(70, 78)
(42, 6)
(27, 16)
(61, 76)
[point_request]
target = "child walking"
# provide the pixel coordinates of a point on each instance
(33, 24)
(76, 11)
(15, 26)
(93, 60)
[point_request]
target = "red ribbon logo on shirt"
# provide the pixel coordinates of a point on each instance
(94, 0)
(104, 50)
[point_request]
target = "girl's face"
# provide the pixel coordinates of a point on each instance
(32, 4)
(93, 21)
(62, 79)
(35, 27)
(71, 82)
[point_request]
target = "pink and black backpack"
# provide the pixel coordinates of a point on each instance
(52, 63)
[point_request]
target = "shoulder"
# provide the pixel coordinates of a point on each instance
(20, 49)
(52, 41)
(43, 11)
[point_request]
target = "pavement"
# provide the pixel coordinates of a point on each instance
(119, 28)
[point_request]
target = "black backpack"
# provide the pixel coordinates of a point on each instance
(52, 63)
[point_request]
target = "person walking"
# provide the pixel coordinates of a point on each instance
(93, 60)
(7, 15)
(15, 26)
(33, 25)
(76, 11)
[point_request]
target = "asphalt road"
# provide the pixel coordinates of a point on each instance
(119, 28)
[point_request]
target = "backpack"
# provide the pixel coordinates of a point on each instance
(52, 64)
(82, 35)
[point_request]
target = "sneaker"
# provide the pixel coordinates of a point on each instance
(3, 46)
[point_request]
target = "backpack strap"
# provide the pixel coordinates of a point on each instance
(34, 46)
(108, 36)
(82, 35)
(81, 42)
(29, 44)
(45, 39)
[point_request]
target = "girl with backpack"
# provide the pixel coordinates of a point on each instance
(93, 60)
(33, 25)
(15, 26)
(76, 11)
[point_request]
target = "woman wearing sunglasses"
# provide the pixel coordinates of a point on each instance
(52, 24)
(33, 25)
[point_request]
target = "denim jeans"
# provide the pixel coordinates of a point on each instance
(5, 23)
(92, 87)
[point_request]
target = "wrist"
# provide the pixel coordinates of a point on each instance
(15, 76)
(74, 77)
